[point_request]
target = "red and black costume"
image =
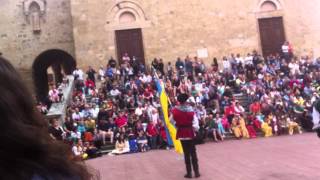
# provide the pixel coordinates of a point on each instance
(184, 118)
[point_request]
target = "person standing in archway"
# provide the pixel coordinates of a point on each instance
(91, 74)
(187, 123)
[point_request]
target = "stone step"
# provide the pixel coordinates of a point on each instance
(105, 149)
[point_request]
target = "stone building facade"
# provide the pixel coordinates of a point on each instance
(35, 34)
(179, 28)
(31, 27)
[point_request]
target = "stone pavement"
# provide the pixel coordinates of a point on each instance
(277, 158)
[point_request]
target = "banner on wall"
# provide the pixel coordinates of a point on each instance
(202, 53)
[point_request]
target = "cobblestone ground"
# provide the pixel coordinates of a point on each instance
(277, 158)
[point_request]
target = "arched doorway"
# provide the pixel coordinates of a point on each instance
(58, 60)
(271, 27)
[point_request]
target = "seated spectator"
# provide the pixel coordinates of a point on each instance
(292, 126)
(87, 112)
(54, 94)
(105, 129)
(81, 127)
(91, 150)
(213, 129)
(238, 108)
(221, 129)
(55, 130)
(235, 126)
(133, 145)
(255, 107)
(90, 124)
(76, 115)
(42, 108)
(224, 121)
(251, 127)
(79, 151)
(266, 128)
(114, 92)
(122, 146)
(121, 120)
(142, 141)
(243, 128)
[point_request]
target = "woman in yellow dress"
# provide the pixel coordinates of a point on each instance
(292, 125)
(265, 126)
(236, 127)
(243, 128)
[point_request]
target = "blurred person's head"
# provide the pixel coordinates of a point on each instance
(27, 150)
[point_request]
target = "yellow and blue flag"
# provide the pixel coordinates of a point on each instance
(171, 130)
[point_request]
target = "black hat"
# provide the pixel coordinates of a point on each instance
(182, 98)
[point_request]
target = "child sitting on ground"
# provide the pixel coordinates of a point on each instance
(142, 141)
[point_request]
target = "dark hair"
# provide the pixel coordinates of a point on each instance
(26, 149)
(182, 98)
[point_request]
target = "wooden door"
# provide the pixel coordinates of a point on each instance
(272, 35)
(130, 41)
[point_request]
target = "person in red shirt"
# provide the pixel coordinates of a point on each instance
(186, 123)
(163, 135)
(255, 107)
(152, 134)
(89, 83)
(121, 120)
(229, 113)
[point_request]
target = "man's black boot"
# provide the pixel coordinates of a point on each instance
(188, 175)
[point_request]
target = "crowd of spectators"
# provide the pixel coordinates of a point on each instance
(119, 104)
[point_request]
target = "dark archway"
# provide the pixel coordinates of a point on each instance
(58, 60)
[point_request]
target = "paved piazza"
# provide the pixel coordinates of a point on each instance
(277, 158)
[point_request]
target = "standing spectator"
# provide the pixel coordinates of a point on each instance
(91, 74)
(161, 66)
(78, 74)
(152, 134)
(125, 58)
(155, 64)
(112, 62)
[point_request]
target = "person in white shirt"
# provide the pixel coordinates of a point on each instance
(126, 58)
(248, 59)
(285, 48)
(78, 74)
(226, 64)
(101, 73)
(76, 116)
(115, 92)
(155, 116)
(294, 67)
(139, 110)
(239, 59)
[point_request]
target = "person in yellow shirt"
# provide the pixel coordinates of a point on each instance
(292, 125)
(265, 126)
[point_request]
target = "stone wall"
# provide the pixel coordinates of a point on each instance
(170, 28)
(178, 28)
(20, 44)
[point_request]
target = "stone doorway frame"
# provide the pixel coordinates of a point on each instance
(58, 60)
(279, 4)
(113, 23)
